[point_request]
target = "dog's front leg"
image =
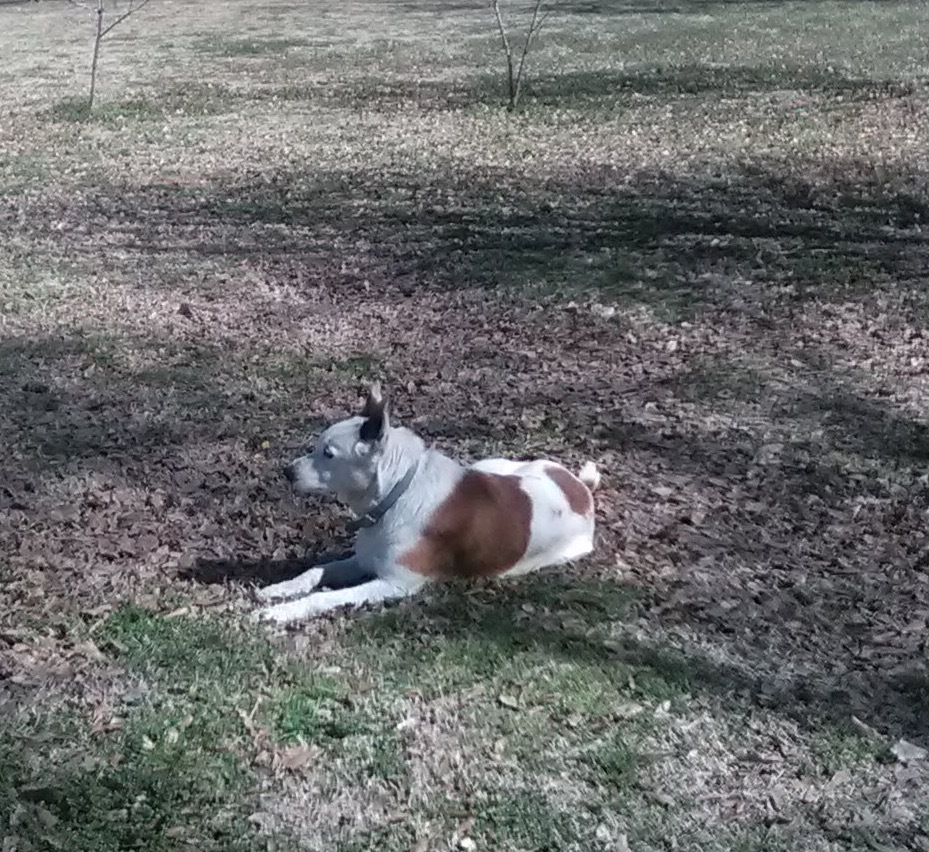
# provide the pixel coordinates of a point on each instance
(375, 591)
(337, 574)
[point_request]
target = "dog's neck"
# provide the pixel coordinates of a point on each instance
(402, 450)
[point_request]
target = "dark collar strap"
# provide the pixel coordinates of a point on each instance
(376, 515)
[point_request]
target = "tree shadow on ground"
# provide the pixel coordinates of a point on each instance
(586, 88)
(604, 8)
(601, 89)
(574, 619)
(754, 239)
(81, 397)
(77, 398)
(677, 7)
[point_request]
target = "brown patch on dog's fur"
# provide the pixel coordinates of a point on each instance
(579, 498)
(481, 529)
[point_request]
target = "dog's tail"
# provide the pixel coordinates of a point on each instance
(589, 475)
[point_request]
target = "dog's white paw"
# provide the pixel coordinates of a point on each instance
(284, 613)
(271, 615)
(306, 582)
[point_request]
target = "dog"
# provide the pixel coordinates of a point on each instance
(423, 517)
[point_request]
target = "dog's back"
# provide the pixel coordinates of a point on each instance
(495, 518)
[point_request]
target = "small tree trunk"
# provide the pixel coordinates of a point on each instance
(514, 76)
(93, 65)
(508, 53)
(512, 84)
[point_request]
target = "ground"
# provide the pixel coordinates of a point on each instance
(696, 256)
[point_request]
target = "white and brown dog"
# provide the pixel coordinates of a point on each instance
(424, 517)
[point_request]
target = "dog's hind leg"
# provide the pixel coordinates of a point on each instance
(338, 574)
(375, 591)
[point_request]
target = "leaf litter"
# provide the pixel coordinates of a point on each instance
(761, 426)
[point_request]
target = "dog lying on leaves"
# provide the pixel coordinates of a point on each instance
(424, 517)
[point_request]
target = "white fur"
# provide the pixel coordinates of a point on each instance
(362, 472)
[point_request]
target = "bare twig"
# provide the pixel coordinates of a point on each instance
(508, 53)
(99, 10)
(132, 8)
(533, 29)
(93, 64)
(514, 80)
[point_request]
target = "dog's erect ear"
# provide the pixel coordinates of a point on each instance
(375, 414)
(374, 400)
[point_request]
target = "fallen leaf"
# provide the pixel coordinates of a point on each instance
(295, 758)
(176, 613)
(842, 776)
(88, 649)
(508, 701)
(628, 710)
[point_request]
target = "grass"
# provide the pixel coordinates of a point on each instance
(248, 47)
(189, 98)
(526, 820)
(315, 713)
(164, 777)
(138, 796)
(616, 762)
(271, 204)
(847, 749)
(161, 647)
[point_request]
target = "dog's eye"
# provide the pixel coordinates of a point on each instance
(328, 452)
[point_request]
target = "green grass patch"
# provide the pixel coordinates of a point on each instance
(837, 747)
(315, 711)
(398, 837)
(376, 755)
(187, 99)
(177, 770)
(137, 788)
(527, 820)
(541, 641)
(187, 652)
(112, 112)
(20, 171)
(616, 762)
(250, 46)
(71, 109)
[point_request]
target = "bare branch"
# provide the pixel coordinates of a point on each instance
(508, 53)
(126, 14)
(503, 36)
(534, 26)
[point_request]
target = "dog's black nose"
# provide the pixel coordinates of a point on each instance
(290, 472)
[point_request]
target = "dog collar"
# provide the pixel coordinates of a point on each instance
(376, 515)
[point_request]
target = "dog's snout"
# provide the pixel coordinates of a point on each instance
(290, 471)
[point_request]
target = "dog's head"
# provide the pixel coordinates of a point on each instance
(345, 460)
